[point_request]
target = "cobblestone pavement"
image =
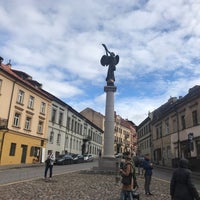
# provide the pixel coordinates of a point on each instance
(79, 186)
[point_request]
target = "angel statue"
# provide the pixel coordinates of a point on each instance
(110, 60)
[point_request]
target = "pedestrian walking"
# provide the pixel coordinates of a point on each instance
(127, 179)
(148, 167)
(49, 165)
(181, 186)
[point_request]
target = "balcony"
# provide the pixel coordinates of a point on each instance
(3, 123)
(87, 138)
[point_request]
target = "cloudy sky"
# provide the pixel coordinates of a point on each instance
(59, 42)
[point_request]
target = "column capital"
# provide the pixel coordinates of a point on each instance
(110, 89)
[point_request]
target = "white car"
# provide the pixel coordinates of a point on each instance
(88, 157)
(119, 155)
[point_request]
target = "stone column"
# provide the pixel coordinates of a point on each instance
(109, 122)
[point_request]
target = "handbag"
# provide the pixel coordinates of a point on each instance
(47, 161)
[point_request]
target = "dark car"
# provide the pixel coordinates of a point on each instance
(64, 160)
(138, 160)
(77, 158)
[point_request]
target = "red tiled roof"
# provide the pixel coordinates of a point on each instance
(27, 81)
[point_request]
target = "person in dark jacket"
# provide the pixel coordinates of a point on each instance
(181, 186)
(148, 167)
(49, 165)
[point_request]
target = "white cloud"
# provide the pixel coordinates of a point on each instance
(59, 44)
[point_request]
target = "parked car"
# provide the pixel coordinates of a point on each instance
(77, 158)
(88, 157)
(138, 160)
(64, 159)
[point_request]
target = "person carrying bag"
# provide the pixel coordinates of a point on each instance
(127, 179)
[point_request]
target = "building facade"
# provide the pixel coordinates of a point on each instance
(175, 130)
(33, 122)
(69, 132)
(125, 130)
(144, 138)
(23, 117)
(96, 118)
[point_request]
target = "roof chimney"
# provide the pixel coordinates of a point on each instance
(9, 64)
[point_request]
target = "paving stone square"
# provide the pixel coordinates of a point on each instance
(79, 186)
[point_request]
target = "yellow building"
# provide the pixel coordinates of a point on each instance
(24, 113)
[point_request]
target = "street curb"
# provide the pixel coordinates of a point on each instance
(5, 167)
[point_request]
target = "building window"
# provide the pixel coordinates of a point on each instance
(157, 132)
(72, 126)
(183, 121)
(60, 118)
(40, 127)
(28, 123)
(68, 122)
(81, 129)
(194, 118)
(51, 137)
(167, 127)
(75, 127)
(43, 107)
(174, 125)
(20, 97)
(12, 149)
(16, 120)
(35, 151)
(53, 116)
(58, 139)
(31, 102)
(160, 131)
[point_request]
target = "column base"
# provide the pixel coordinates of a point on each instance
(108, 165)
